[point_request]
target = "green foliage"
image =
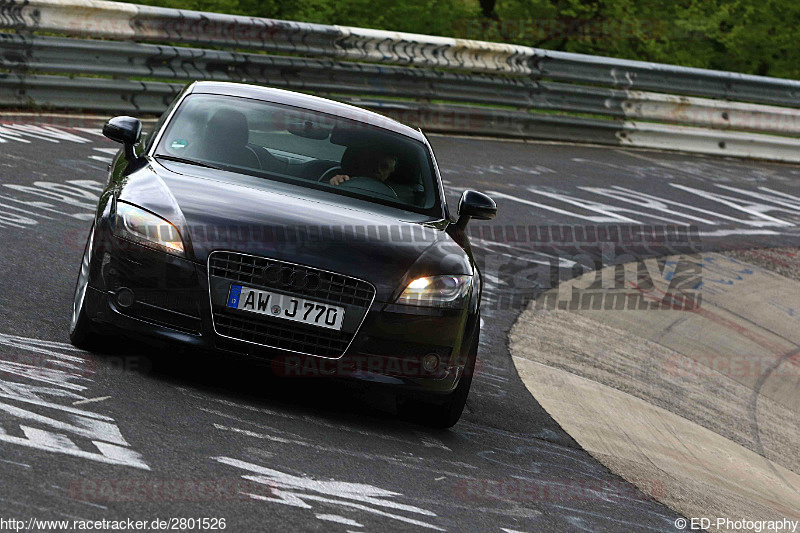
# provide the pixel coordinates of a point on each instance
(435, 17)
(751, 36)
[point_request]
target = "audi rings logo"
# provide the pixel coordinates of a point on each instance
(289, 278)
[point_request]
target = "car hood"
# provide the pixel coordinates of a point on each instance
(224, 211)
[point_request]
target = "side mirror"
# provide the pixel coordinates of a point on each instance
(125, 130)
(474, 204)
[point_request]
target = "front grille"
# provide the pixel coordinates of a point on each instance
(354, 294)
(332, 288)
(292, 336)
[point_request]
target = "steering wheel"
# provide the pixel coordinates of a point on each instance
(371, 185)
(328, 174)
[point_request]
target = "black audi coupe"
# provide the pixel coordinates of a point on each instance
(307, 233)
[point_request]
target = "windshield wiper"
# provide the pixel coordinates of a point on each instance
(185, 160)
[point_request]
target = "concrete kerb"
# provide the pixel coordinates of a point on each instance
(704, 400)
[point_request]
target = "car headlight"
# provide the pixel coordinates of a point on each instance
(137, 225)
(437, 291)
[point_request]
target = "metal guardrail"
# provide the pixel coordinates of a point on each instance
(441, 84)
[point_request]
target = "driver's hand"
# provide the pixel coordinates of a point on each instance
(338, 179)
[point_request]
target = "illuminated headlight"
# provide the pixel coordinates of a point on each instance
(437, 291)
(147, 229)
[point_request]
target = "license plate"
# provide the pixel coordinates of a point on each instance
(286, 307)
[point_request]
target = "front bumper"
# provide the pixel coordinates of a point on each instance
(166, 298)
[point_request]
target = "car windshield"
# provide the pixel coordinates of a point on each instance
(303, 147)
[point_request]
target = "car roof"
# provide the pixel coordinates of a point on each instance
(305, 101)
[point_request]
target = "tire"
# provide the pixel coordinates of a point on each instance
(445, 414)
(81, 331)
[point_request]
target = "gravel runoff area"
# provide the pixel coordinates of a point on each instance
(783, 261)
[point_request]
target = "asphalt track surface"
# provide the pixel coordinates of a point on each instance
(138, 433)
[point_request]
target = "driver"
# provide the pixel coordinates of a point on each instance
(376, 165)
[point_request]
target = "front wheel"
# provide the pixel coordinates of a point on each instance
(444, 414)
(81, 333)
